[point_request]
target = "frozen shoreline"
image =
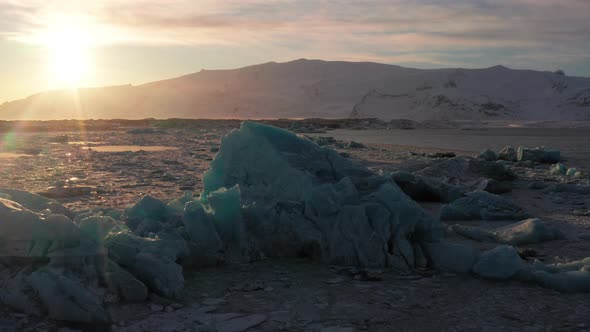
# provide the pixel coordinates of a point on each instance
(272, 288)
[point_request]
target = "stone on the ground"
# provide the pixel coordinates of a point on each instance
(488, 155)
(451, 257)
(508, 153)
(501, 262)
(481, 205)
(424, 189)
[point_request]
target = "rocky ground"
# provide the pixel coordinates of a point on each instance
(299, 295)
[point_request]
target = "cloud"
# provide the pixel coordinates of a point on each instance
(387, 30)
(15, 18)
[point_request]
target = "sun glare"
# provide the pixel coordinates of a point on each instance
(68, 57)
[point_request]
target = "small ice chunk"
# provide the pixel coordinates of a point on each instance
(558, 169)
(508, 154)
(501, 262)
(488, 155)
(481, 205)
(538, 154)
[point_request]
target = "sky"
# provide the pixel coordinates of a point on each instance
(61, 43)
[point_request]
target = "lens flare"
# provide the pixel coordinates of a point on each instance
(69, 58)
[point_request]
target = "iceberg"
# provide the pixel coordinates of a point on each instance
(301, 199)
(538, 154)
(481, 205)
(267, 193)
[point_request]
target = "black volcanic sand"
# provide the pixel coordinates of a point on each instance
(298, 295)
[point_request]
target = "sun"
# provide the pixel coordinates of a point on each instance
(70, 43)
(69, 61)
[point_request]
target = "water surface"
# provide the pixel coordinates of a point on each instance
(574, 143)
(131, 148)
(9, 155)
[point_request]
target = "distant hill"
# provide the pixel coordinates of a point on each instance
(325, 89)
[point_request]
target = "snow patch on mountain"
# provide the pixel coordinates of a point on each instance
(326, 89)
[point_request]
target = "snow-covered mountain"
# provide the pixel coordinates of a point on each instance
(326, 89)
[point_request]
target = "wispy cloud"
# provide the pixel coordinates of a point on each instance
(427, 31)
(15, 18)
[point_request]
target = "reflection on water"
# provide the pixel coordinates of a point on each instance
(6, 155)
(83, 143)
(130, 148)
(574, 143)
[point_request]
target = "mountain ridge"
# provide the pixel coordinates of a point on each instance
(326, 89)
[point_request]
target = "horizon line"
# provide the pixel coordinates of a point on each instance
(115, 85)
